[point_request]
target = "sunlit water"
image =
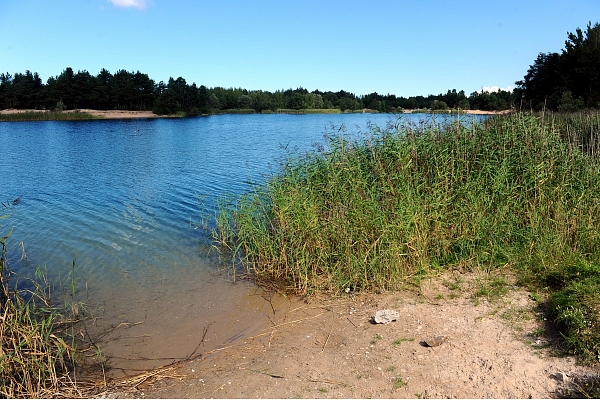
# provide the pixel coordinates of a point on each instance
(120, 199)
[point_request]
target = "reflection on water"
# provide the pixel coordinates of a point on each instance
(120, 198)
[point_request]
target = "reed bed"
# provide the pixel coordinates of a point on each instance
(517, 192)
(35, 359)
(46, 116)
(308, 111)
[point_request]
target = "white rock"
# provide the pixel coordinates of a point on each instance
(385, 316)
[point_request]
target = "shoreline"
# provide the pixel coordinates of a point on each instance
(330, 348)
(126, 114)
(103, 114)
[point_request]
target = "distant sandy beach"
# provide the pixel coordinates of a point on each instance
(106, 114)
(123, 114)
(118, 114)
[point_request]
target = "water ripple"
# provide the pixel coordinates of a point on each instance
(122, 195)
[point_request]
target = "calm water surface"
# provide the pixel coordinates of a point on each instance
(121, 198)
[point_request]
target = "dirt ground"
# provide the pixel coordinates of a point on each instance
(330, 348)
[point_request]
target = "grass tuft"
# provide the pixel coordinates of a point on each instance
(35, 358)
(47, 116)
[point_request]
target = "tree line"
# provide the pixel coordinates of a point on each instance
(566, 81)
(136, 91)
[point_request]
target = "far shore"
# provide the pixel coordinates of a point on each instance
(125, 114)
(105, 114)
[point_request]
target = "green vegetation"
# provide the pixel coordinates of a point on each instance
(47, 116)
(308, 111)
(398, 383)
(398, 342)
(35, 358)
(376, 338)
(136, 91)
(519, 193)
(568, 81)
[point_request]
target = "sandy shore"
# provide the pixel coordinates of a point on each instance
(118, 114)
(123, 114)
(106, 114)
(329, 348)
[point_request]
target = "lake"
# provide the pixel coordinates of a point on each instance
(122, 200)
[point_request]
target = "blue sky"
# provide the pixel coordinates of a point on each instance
(402, 47)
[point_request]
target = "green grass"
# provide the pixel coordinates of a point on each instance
(398, 342)
(376, 338)
(47, 116)
(519, 193)
(398, 383)
(238, 111)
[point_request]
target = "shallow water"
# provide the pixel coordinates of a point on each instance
(120, 199)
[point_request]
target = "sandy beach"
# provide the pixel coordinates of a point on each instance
(124, 114)
(118, 114)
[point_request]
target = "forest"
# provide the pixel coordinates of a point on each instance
(565, 81)
(136, 91)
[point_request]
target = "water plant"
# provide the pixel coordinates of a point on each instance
(46, 116)
(519, 192)
(35, 359)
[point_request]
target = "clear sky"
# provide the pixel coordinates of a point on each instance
(400, 47)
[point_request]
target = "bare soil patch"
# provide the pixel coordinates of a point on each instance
(329, 348)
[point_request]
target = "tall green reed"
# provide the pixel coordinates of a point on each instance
(517, 191)
(35, 360)
(367, 214)
(46, 116)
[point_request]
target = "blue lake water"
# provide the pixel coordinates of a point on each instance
(121, 197)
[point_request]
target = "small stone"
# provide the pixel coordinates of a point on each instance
(436, 341)
(385, 316)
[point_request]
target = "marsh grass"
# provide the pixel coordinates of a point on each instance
(238, 111)
(46, 116)
(37, 357)
(308, 111)
(518, 192)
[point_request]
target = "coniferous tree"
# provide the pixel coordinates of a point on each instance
(568, 80)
